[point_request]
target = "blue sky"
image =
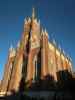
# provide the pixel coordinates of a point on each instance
(57, 16)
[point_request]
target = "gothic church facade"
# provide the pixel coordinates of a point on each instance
(34, 58)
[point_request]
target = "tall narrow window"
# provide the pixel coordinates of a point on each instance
(35, 68)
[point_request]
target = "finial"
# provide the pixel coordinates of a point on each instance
(45, 30)
(59, 47)
(39, 21)
(29, 20)
(18, 45)
(42, 32)
(25, 21)
(63, 52)
(69, 58)
(11, 48)
(54, 42)
(46, 33)
(33, 13)
(11, 51)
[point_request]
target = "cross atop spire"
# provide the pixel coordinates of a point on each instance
(33, 13)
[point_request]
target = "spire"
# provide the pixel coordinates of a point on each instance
(33, 13)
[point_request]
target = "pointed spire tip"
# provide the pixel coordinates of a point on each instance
(33, 13)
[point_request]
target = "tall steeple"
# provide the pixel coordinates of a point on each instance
(33, 13)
